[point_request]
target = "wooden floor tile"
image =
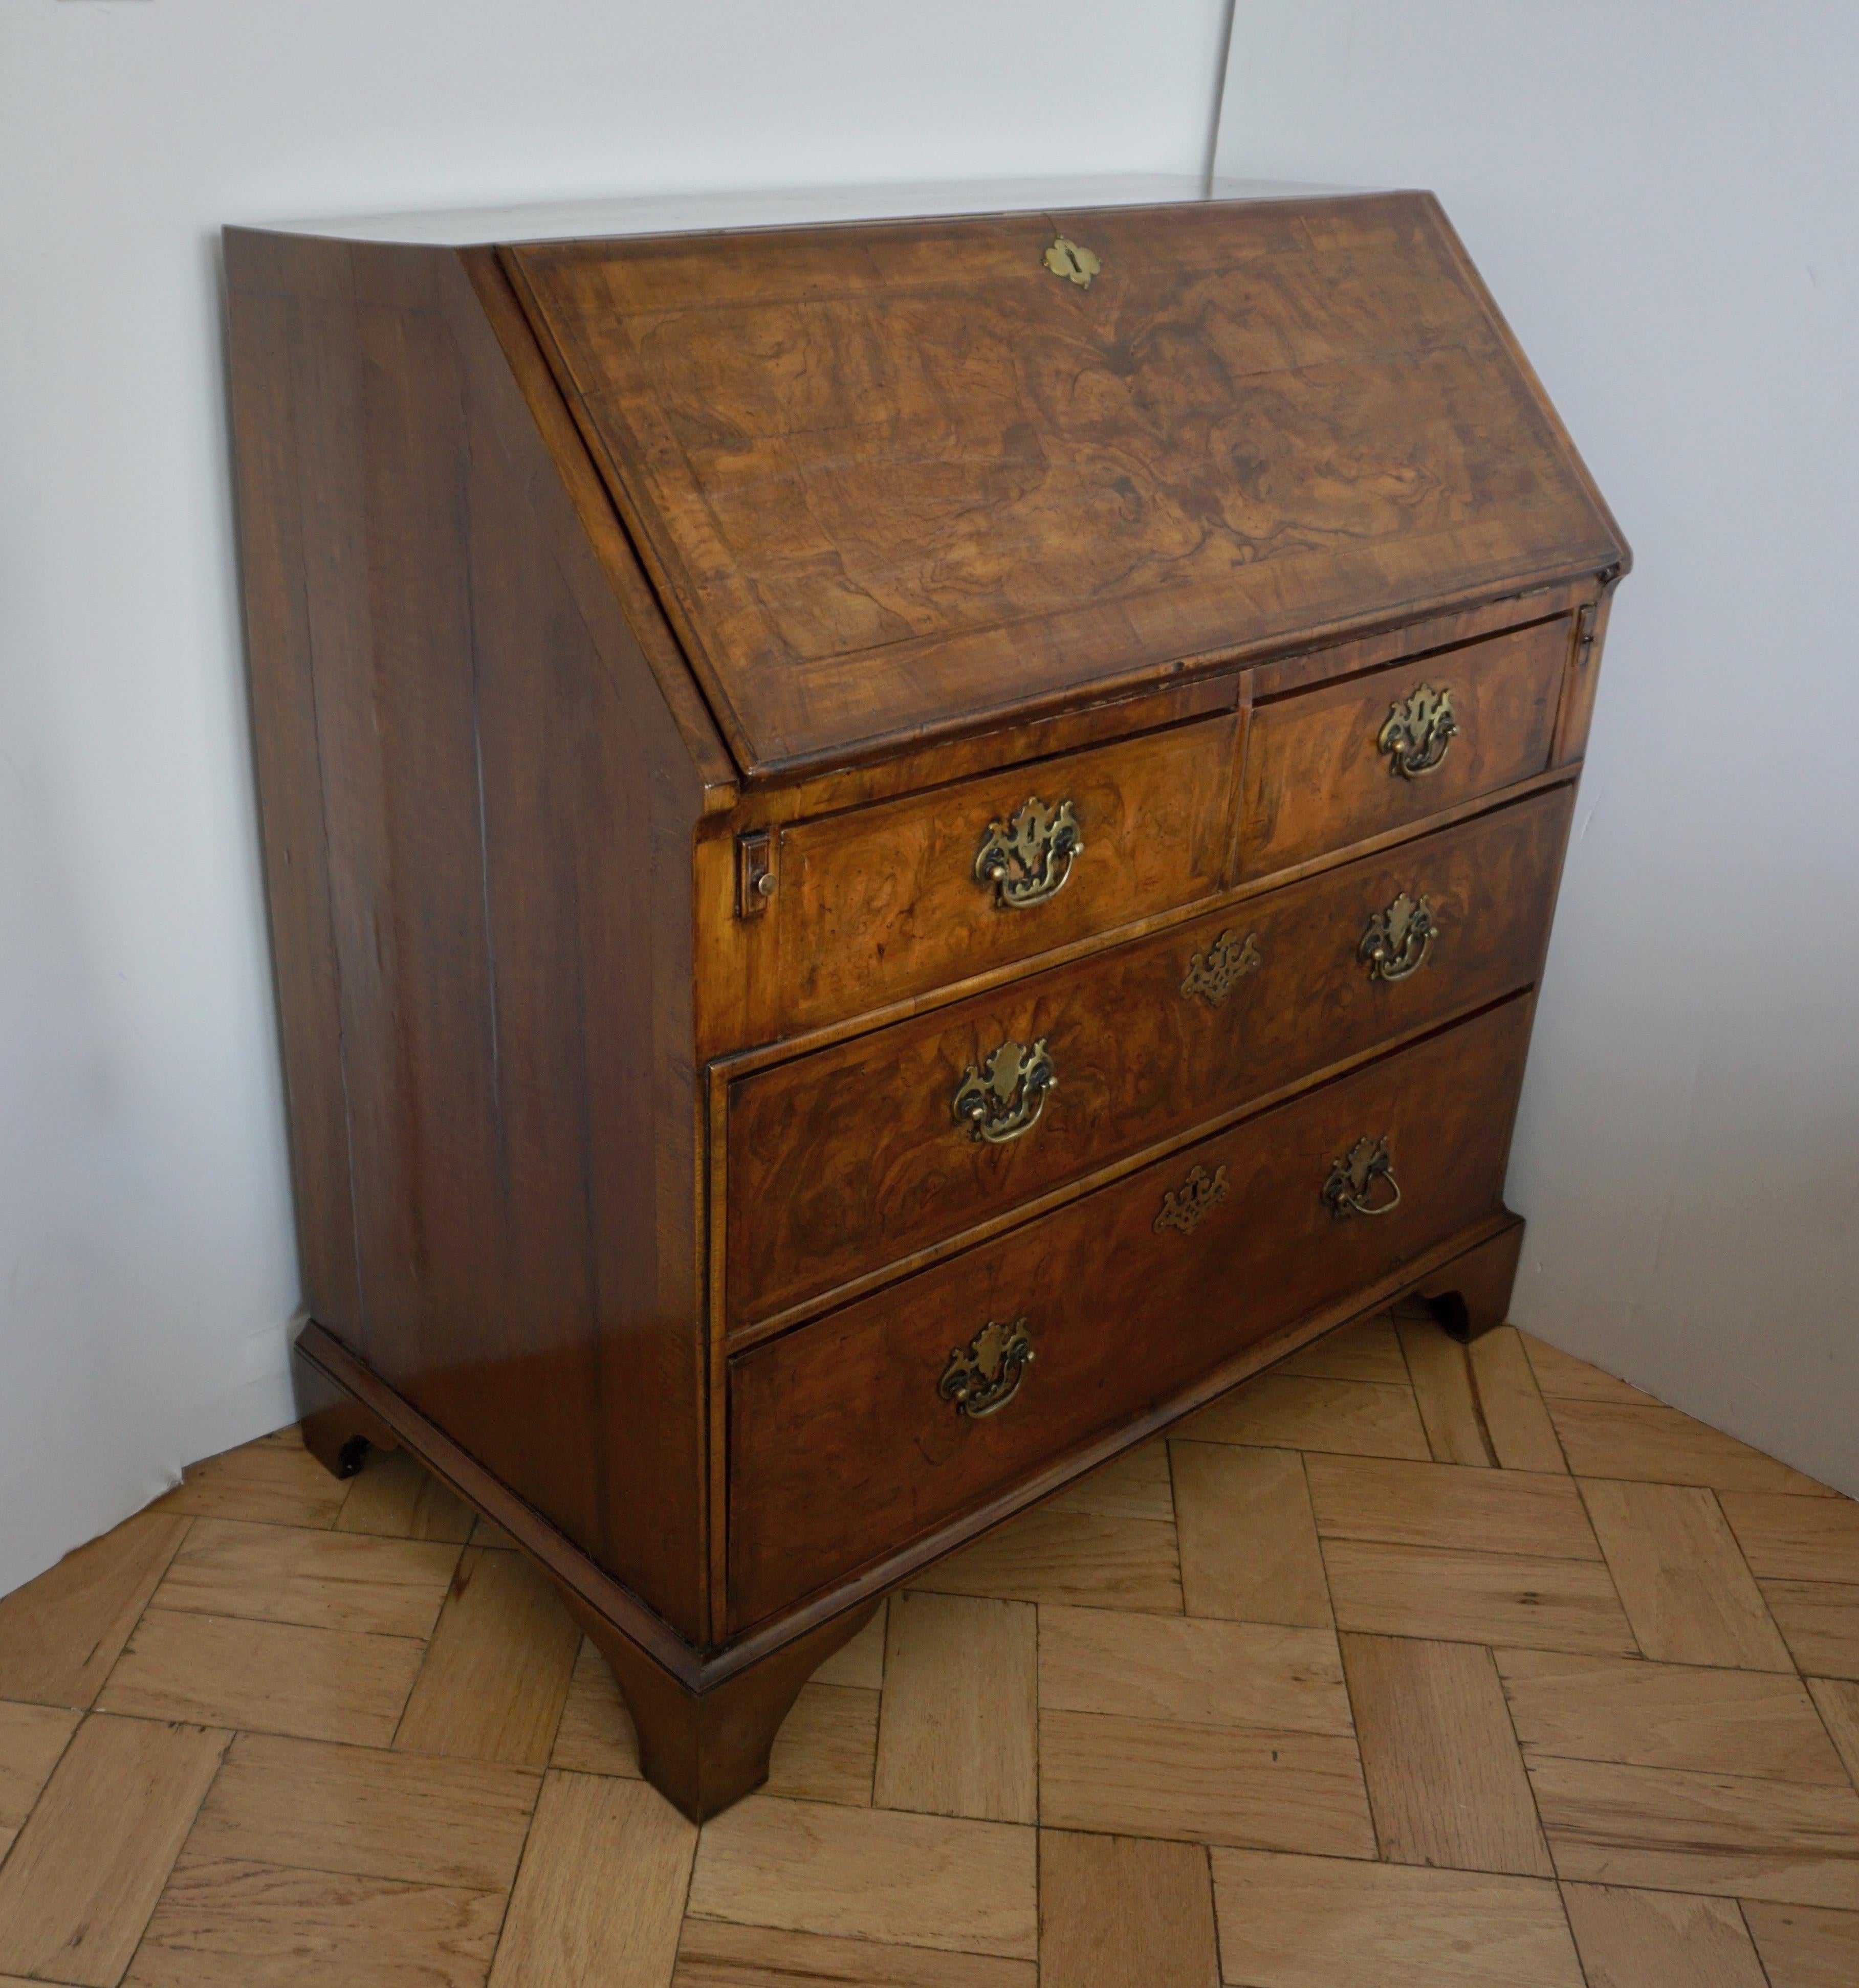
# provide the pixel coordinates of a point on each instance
(1118, 1913)
(1561, 1374)
(861, 1661)
(1516, 1417)
(713, 1954)
(279, 1484)
(397, 1498)
(1293, 1411)
(83, 1876)
(1446, 1782)
(1837, 1702)
(496, 1672)
(879, 1875)
(1192, 1671)
(1443, 1504)
(303, 1804)
(595, 1735)
(1805, 1947)
(1685, 1586)
(1248, 1541)
(1136, 1486)
(601, 1895)
(1787, 1538)
(1727, 1834)
(825, 1749)
(249, 1926)
(1077, 1557)
(1313, 1922)
(1203, 1784)
(32, 1738)
(1449, 1405)
(60, 1634)
(1660, 1940)
(1650, 1715)
(1819, 1621)
(1647, 1443)
(323, 1579)
(1506, 1599)
(959, 1734)
(1367, 1349)
(264, 1677)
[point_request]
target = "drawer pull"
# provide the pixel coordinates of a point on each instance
(1351, 1187)
(1183, 1206)
(1028, 858)
(1001, 1098)
(1213, 972)
(1399, 939)
(1417, 732)
(987, 1375)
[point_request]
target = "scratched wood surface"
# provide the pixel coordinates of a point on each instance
(1141, 1734)
(895, 477)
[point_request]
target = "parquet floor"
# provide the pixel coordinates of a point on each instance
(1397, 1668)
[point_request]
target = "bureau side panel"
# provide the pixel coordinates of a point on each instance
(491, 1047)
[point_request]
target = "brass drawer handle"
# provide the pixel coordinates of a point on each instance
(1001, 1098)
(987, 1376)
(1183, 1206)
(1028, 858)
(1417, 732)
(1213, 972)
(1399, 939)
(1351, 1186)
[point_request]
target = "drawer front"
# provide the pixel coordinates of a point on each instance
(1327, 768)
(883, 903)
(849, 1437)
(846, 1161)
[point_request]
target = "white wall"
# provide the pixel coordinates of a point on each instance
(147, 1272)
(1665, 201)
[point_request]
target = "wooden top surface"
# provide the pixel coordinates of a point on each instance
(894, 479)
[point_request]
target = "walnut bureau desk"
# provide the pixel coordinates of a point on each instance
(897, 850)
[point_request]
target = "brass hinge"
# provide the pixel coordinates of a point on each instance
(754, 872)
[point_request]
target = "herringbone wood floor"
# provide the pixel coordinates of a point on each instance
(1395, 1669)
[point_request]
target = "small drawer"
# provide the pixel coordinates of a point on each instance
(882, 903)
(845, 1161)
(851, 1437)
(1329, 767)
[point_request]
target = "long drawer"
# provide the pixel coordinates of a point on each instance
(849, 1160)
(854, 1435)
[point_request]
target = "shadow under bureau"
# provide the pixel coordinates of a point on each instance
(897, 851)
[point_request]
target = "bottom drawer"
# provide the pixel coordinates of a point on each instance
(854, 1435)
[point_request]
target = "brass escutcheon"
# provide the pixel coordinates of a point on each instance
(1001, 1098)
(1417, 731)
(1027, 858)
(1213, 972)
(1077, 266)
(987, 1375)
(1183, 1206)
(1351, 1186)
(1399, 939)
